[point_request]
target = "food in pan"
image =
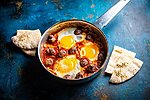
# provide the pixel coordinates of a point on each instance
(122, 65)
(72, 53)
(27, 40)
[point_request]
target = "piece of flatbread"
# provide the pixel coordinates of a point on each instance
(123, 74)
(119, 55)
(30, 52)
(27, 39)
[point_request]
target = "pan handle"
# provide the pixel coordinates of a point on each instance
(110, 14)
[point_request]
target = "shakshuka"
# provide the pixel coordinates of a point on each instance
(72, 53)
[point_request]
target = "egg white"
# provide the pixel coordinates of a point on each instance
(68, 32)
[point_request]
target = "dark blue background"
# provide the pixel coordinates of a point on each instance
(23, 78)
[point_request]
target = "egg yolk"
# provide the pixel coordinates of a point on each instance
(67, 42)
(90, 50)
(66, 65)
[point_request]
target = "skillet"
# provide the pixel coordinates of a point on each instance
(96, 27)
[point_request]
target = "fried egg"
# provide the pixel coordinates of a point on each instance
(68, 39)
(67, 66)
(90, 50)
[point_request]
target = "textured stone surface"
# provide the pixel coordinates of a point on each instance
(23, 78)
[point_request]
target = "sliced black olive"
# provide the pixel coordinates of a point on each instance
(72, 50)
(83, 62)
(78, 31)
(91, 69)
(62, 53)
(99, 64)
(51, 51)
(85, 30)
(79, 75)
(100, 44)
(90, 37)
(67, 77)
(51, 38)
(101, 56)
(49, 61)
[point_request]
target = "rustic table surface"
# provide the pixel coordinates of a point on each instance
(23, 78)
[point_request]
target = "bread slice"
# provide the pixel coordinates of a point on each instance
(30, 52)
(123, 74)
(119, 55)
(27, 39)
